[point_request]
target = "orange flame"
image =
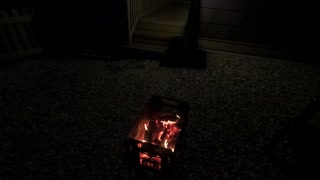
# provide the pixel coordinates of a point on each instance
(164, 131)
(159, 135)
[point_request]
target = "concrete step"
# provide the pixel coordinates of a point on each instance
(151, 20)
(152, 37)
(156, 35)
(160, 27)
(173, 14)
(156, 42)
(148, 47)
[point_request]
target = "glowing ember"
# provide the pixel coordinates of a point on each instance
(166, 143)
(160, 135)
(162, 131)
(150, 161)
(166, 123)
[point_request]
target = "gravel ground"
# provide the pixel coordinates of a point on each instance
(68, 118)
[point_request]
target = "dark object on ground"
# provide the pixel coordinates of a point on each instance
(176, 56)
(183, 52)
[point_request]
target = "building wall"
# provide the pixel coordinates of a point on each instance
(271, 22)
(238, 20)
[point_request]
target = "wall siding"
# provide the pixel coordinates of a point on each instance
(217, 16)
(236, 20)
(225, 4)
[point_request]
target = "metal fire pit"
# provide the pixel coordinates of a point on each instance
(154, 141)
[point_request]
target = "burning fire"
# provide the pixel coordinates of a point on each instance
(162, 131)
(154, 136)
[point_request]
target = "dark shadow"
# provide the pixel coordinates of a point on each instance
(184, 52)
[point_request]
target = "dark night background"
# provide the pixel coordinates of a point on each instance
(288, 24)
(66, 116)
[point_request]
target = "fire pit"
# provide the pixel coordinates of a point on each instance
(154, 141)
